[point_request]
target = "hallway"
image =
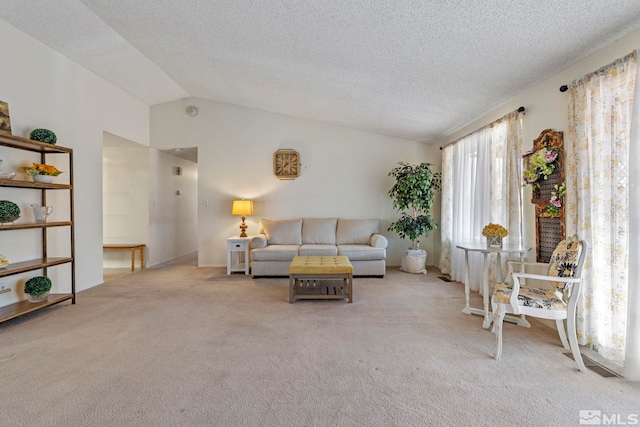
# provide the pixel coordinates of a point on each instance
(112, 274)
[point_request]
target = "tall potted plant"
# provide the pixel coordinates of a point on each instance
(414, 190)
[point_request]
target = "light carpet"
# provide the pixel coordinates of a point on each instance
(187, 346)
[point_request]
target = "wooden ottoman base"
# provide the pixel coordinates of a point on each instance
(315, 277)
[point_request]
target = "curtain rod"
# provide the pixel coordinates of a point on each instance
(600, 70)
(519, 110)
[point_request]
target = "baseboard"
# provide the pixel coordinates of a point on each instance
(547, 322)
(597, 363)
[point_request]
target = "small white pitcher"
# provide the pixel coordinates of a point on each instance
(42, 212)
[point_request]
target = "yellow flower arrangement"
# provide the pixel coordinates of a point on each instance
(494, 230)
(41, 169)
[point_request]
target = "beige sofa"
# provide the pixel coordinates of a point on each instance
(281, 240)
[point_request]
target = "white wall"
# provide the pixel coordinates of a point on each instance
(547, 108)
(45, 89)
(173, 225)
(343, 174)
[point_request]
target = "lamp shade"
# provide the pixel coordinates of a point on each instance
(242, 207)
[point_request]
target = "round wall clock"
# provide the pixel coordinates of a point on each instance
(286, 164)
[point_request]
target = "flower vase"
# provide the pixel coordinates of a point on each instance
(494, 242)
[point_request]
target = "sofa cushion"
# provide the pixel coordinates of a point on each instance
(275, 253)
(319, 231)
(356, 231)
(283, 232)
(362, 252)
(318, 250)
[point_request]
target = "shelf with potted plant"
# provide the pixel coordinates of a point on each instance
(36, 185)
(43, 260)
(27, 144)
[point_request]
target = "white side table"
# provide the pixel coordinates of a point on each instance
(236, 246)
(482, 248)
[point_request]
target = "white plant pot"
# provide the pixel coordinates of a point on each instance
(43, 178)
(414, 261)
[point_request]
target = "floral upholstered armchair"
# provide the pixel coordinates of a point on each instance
(556, 301)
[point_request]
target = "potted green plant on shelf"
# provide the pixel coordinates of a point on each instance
(9, 211)
(414, 190)
(43, 135)
(37, 288)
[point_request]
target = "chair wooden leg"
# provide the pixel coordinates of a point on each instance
(292, 283)
(498, 318)
(573, 341)
(561, 332)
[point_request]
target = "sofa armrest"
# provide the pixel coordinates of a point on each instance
(379, 241)
(259, 241)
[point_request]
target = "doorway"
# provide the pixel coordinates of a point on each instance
(149, 198)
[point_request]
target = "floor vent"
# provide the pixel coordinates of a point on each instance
(595, 366)
(445, 279)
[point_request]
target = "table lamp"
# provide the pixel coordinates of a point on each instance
(242, 208)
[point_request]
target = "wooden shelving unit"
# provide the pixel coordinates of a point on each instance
(23, 307)
(42, 262)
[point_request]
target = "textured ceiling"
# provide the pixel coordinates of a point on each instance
(413, 69)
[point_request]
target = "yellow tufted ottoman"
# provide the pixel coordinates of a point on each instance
(309, 270)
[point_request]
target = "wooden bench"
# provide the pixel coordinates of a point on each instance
(308, 277)
(128, 247)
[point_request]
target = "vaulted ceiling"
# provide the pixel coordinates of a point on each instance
(415, 69)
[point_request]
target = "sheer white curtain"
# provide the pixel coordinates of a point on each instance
(597, 200)
(480, 184)
(506, 176)
(469, 197)
(632, 346)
